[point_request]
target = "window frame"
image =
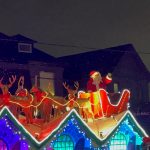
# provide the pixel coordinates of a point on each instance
(119, 144)
(25, 44)
(59, 139)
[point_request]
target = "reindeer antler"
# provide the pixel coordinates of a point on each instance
(1, 82)
(21, 81)
(76, 84)
(65, 85)
(12, 80)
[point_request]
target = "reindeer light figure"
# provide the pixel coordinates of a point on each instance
(21, 99)
(6, 95)
(25, 99)
(43, 101)
(84, 105)
(71, 93)
(58, 103)
(5, 89)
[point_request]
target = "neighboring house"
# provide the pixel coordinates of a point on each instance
(128, 70)
(18, 56)
(69, 130)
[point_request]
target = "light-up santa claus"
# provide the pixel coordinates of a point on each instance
(96, 81)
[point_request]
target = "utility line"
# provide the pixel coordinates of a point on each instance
(73, 46)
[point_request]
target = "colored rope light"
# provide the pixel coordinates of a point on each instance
(77, 115)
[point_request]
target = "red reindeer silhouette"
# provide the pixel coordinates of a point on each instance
(24, 100)
(71, 92)
(5, 97)
(83, 104)
(26, 103)
(43, 102)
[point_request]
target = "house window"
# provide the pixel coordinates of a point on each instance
(47, 81)
(115, 87)
(25, 47)
(63, 142)
(3, 145)
(118, 142)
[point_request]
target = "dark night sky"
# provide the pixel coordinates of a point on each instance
(86, 23)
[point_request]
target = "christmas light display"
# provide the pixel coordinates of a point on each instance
(101, 104)
(92, 122)
(72, 122)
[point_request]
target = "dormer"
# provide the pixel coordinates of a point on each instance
(24, 44)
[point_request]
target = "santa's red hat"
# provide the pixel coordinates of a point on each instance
(94, 73)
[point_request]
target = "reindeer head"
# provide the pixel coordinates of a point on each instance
(34, 89)
(71, 92)
(5, 87)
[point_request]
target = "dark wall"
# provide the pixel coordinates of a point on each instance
(126, 67)
(130, 74)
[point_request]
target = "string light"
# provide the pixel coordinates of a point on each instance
(88, 106)
(9, 132)
(74, 116)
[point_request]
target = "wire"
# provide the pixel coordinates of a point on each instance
(73, 46)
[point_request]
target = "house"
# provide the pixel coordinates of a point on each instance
(70, 131)
(77, 128)
(128, 70)
(18, 56)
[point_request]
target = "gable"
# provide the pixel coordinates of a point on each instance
(21, 38)
(130, 65)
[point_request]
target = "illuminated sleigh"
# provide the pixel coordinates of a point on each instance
(101, 103)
